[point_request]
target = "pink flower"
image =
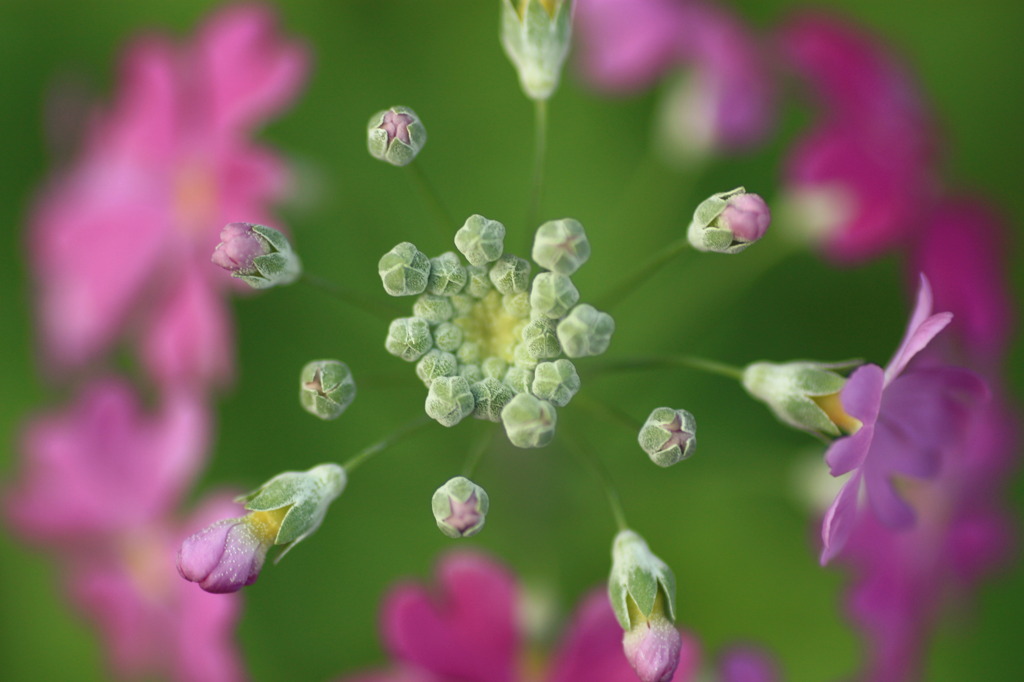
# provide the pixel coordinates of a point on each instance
(726, 100)
(121, 239)
(106, 466)
(467, 630)
(908, 420)
(153, 623)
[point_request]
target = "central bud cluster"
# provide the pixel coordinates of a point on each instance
(488, 340)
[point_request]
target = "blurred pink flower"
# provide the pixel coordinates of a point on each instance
(121, 239)
(105, 465)
(907, 421)
(468, 631)
(726, 99)
(153, 623)
(962, 252)
(861, 180)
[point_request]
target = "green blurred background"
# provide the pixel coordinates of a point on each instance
(728, 521)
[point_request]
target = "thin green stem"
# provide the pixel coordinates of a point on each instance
(477, 452)
(540, 111)
(381, 310)
(597, 467)
(383, 444)
(689, 361)
(444, 221)
(643, 273)
(609, 411)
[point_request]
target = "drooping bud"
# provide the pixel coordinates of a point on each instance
(460, 507)
(557, 382)
(395, 135)
(585, 331)
(480, 240)
(326, 388)
(535, 35)
(256, 254)
(404, 270)
(668, 436)
(408, 338)
(729, 222)
(449, 400)
(642, 590)
(561, 246)
(803, 394)
(229, 554)
(529, 422)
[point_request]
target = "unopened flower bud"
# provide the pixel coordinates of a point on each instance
(529, 422)
(433, 309)
(510, 274)
(491, 396)
(285, 510)
(395, 135)
(668, 436)
(552, 295)
(472, 374)
(449, 400)
(803, 394)
(256, 254)
(434, 364)
(480, 240)
(494, 367)
(519, 379)
(640, 583)
(561, 246)
(447, 275)
(652, 648)
(729, 222)
(409, 338)
(448, 336)
(540, 339)
(557, 382)
(585, 331)
(479, 281)
(460, 507)
(535, 35)
(404, 270)
(326, 388)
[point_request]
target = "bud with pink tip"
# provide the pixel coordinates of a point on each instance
(652, 648)
(729, 222)
(395, 135)
(259, 255)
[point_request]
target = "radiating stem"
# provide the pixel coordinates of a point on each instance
(689, 361)
(643, 273)
(609, 411)
(540, 110)
(477, 452)
(383, 444)
(597, 467)
(380, 309)
(445, 223)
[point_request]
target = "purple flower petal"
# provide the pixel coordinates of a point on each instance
(922, 329)
(840, 519)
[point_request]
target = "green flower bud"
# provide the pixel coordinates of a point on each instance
(803, 394)
(519, 378)
(540, 339)
(585, 331)
(448, 337)
(434, 364)
(469, 353)
(395, 135)
(459, 507)
(463, 304)
(433, 309)
(552, 295)
(447, 276)
(561, 246)
(494, 367)
(409, 338)
(557, 382)
(491, 396)
(638, 578)
(326, 388)
(258, 255)
(449, 400)
(306, 496)
(479, 282)
(480, 240)
(728, 222)
(523, 358)
(529, 422)
(668, 436)
(517, 305)
(535, 35)
(510, 274)
(404, 270)
(471, 373)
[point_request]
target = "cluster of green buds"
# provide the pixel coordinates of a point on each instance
(535, 35)
(803, 394)
(488, 340)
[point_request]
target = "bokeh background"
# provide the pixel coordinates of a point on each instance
(728, 521)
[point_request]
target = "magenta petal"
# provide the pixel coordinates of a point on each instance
(223, 557)
(840, 519)
(747, 664)
(848, 453)
(887, 505)
(469, 632)
(862, 394)
(922, 329)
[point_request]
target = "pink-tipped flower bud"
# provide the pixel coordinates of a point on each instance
(729, 222)
(652, 648)
(228, 555)
(239, 245)
(746, 216)
(259, 255)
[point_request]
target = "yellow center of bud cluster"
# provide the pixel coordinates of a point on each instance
(492, 327)
(266, 524)
(832, 406)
